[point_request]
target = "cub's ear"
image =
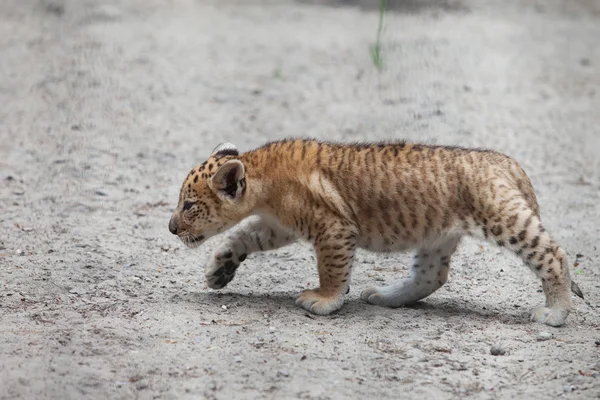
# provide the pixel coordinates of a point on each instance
(229, 182)
(225, 149)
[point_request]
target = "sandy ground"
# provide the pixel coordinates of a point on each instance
(105, 106)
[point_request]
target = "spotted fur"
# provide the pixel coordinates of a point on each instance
(383, 197)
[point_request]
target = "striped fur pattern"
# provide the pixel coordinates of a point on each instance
(382, 197)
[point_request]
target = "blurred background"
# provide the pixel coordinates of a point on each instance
(106, 105)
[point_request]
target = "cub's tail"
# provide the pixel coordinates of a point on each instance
(575, 289)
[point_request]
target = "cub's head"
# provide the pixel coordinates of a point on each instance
(210, 198)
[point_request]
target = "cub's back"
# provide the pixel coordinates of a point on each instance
(397, 189)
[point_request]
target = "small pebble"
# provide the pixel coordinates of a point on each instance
(224, 307)
(569, 388)
(497, 351)
(284, 373)
(141, 385)
(20, 252)
(542, 335)
(597, 342)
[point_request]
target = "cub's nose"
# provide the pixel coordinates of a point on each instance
(173, 226)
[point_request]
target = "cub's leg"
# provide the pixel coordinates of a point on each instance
(251, 235)
(429, 273)
(523, 232)
(335, 246)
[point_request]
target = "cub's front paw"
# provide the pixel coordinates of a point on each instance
(313, 301)
(220, 270)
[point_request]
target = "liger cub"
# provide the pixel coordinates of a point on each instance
(383, 197)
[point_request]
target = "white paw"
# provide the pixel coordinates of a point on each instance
(371, 295)
(377, 296)
(550, 316)
(220, 269)
(393, 296)
(312, 301)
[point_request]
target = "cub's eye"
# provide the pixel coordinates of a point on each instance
(188, 204)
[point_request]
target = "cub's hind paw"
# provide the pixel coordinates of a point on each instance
(550, 316)
(316, 303)
(372, 296)
(392, 296)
